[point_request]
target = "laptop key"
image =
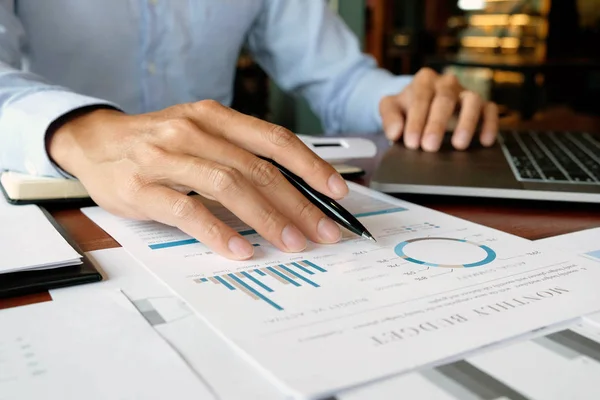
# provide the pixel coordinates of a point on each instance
(550, 157)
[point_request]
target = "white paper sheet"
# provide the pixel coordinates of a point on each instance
(224, 373)
(339, 316)
(523, 366)
(564, 364)
(552, 367)
(28, 240)
(97, 347)
(584, 243)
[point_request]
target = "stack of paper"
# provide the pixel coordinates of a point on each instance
(333, 318)
(28, 241)
(97, 347)
(508, 370)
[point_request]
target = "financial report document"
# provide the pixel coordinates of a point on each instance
(338, 316)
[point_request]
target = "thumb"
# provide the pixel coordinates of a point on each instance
(392, 118)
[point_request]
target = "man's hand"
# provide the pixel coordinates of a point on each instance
(422, 111)
(143, 166)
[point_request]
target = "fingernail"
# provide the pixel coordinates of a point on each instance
(329, 231)
(393, 131)
(337, 185)
(411, 141)
(431, 143)
(293, 239)
(240, 247)
(488, 139)
(460, 141)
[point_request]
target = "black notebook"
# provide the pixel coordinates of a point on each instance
(27, 282)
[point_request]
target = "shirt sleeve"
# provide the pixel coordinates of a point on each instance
(308, 50)
(28, 106)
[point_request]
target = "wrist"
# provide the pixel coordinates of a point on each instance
(70, 139)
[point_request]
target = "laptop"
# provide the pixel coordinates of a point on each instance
(535, 165)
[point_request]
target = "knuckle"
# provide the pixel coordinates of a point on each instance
(426, 73)
(211, 231)
(225, 179)
(280, 136)
(133, 184)
(271, 221)
(207, 106)
(474, 98)
(176, 129)
(264, 174)
(131, 188)
(183, 207)
(446, 95)
(146, 154)
(318, 165)
(420, 98)
(451, 80)
(305, 210)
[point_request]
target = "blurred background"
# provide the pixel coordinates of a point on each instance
(529, 56)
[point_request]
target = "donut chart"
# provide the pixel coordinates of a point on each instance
(463, 253)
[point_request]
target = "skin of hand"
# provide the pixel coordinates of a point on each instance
(143, 166)
(422, 112)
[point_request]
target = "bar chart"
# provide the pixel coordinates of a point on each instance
(259, 283)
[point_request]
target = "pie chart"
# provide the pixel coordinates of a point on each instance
(445, 252)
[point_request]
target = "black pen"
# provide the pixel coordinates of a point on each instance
(330, 207)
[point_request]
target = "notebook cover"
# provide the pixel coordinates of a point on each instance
(76, 202)
(27, 282)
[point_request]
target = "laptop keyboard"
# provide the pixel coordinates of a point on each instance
(565, 157)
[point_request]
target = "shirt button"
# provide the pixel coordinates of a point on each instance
(152, 68)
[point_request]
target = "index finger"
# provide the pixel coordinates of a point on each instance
(272, 141)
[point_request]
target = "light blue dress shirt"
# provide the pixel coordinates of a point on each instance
(144, 55)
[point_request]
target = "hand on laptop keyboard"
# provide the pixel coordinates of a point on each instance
(420, 113)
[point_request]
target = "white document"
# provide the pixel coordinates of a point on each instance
(28, 240)
(585, 243)
(523, 366)
(224, 373)
(97, 347)
(570, 358)
(564, 364)
(339, 316)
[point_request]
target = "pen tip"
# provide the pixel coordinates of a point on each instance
(367, 235)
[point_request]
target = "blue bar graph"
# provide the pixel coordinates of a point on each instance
(224, 283)
(260, 283)
(257, 282)
(184, 242)
(282, 276)
(314, 266)
(172, 244)
(297, 275)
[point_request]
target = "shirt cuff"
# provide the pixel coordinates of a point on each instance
(362, 112)
(24, 124)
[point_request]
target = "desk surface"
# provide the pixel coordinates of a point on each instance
(526, 219)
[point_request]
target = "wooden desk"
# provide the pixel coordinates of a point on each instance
(530, 220)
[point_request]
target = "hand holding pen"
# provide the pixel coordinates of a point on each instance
(330, 207)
